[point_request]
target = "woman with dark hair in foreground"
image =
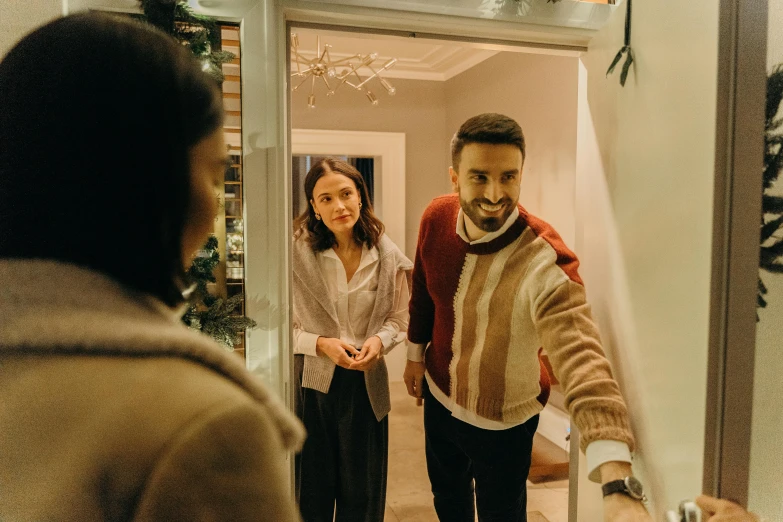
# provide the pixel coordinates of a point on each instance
(111, 149)
(350, 307)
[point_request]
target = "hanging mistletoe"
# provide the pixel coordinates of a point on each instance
(199, 33)
(522, 7)
(626, 49)
(771, 254)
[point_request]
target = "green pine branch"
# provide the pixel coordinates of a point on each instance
(771, 227)
(209, 313)
(200, 33)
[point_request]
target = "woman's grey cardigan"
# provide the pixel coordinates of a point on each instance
(315, 312)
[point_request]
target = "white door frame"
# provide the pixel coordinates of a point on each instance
(388, 151)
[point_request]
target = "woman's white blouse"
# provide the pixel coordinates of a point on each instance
(354, 301)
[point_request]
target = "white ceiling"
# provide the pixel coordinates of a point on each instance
(417, 59)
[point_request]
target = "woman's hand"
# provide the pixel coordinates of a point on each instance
(370, 354)
(336, 350)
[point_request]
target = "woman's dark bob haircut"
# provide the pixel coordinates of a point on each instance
(367, 230)
(97, 118)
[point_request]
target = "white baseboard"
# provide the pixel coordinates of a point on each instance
(555, 424)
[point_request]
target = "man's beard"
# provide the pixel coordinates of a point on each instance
(487, 224)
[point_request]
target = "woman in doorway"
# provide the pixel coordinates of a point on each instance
(111, 152)
(351, 289)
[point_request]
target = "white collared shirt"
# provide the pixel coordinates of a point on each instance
(597, 452)
(354, 301)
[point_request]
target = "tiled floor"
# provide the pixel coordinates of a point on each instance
(408, 496)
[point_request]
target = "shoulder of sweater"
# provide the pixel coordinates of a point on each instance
(549, 240)
(440, 210)
(441, 205)
(387, 247)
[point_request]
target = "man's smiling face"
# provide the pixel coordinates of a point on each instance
(488, 182)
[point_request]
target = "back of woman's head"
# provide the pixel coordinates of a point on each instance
(97, 115)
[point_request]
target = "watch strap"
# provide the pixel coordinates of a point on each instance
(614, 486)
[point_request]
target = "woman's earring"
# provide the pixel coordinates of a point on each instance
(318, 216)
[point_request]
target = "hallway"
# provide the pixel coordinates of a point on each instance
(408, 497)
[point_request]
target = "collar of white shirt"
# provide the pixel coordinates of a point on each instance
(489, 237)
(369, 255)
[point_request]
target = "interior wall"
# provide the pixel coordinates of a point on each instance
(17, 18)
(540, 92)
(766, 459)
(645, 190)
(418, 109)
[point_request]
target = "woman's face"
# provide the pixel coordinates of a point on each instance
(337, 200)
(208, 160)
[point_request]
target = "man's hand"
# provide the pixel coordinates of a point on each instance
(617, 506)
(335, 349)
(717, 510)
(370, 354)
(414, 378)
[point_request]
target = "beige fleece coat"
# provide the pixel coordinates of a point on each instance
(110, 409)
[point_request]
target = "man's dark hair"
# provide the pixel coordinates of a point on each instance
(367, 230)
(98, 116)
(492, 128)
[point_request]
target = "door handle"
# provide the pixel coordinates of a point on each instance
(688, 511)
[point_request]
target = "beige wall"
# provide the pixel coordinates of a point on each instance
(645, 189)
(540, 92)
(19, 17)
(766, 458)
(418, 109)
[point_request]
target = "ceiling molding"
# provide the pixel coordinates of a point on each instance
(416, 60)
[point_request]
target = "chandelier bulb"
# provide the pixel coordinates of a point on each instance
(386, 85)
(311, 101)
(373, 99)
(294, 40)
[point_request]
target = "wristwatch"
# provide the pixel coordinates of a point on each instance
(627, 486)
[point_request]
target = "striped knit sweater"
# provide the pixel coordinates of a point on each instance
(486, 309)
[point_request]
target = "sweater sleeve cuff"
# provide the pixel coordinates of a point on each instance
(305, 344)
(415, 352)
(602, 451)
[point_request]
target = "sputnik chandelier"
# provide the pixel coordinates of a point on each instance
(322, 68)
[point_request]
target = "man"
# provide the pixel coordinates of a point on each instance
(492, 284)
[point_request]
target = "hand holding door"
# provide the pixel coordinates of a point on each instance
(719, 510)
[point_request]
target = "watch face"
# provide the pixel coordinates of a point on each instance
(634, 487)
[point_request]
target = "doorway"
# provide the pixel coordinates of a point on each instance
(436, 85)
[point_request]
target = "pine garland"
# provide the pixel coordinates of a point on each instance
(200, 33)
(210, 314)
(771, 253)
(207, 313)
